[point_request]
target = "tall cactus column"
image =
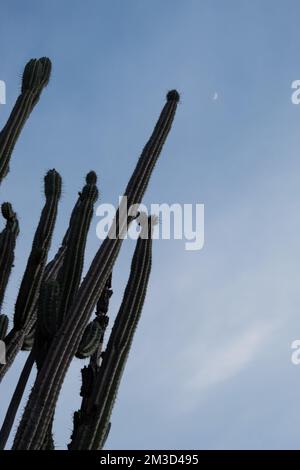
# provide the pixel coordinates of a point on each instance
(8, 239)
(35, 77)
(29, 290)
(92, 422)
(44, 395)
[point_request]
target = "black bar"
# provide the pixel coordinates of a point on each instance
(134, 458)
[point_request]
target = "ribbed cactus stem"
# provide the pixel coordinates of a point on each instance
(34, 271)
(92, 426)
(3, 326)
(15, 401)
(48, 443)
(89, 372)
(7, 246)
(30, 285)
(35, 77)
(53, 267)
(69, 276)
(48, 320)
(57, 295)
(102, 427)
(42, 401)
(139, 180)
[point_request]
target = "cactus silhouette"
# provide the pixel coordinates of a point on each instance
(29, 289)
(7, 246)
(52, 315)
(92, 422)
(50, 306)
(3, 326)
(35, 77)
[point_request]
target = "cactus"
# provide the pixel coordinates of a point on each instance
(93, 421)
(102, 317)
(53, 267)
(30, 285)
(48, 316)
(35, 77)
(3, 326)
(36, 262)
(15, 401)
(54, 304)
(58, 295)
(44, 395)
(22, 334)
(50, 306)
(69, 275)
(7, 246)
(89, 372)
(90, 340)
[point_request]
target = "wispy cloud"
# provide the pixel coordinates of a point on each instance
(223, 361)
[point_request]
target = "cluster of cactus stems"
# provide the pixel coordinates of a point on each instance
(52, 315)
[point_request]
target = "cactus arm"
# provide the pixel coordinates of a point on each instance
(56, 295)
(89, 372)
(51, 304)
(140, 178)
(13, 343)
(3, 326)
(94, 420)
(28, 293)
(35, 77)
(15, 401)
(51, 270)
(41, 403)
(70, 273)
(102, 426)
(33, 274)
(7, 246)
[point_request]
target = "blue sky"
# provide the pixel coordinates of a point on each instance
(210, 366)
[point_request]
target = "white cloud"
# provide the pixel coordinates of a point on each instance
(224, 362)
